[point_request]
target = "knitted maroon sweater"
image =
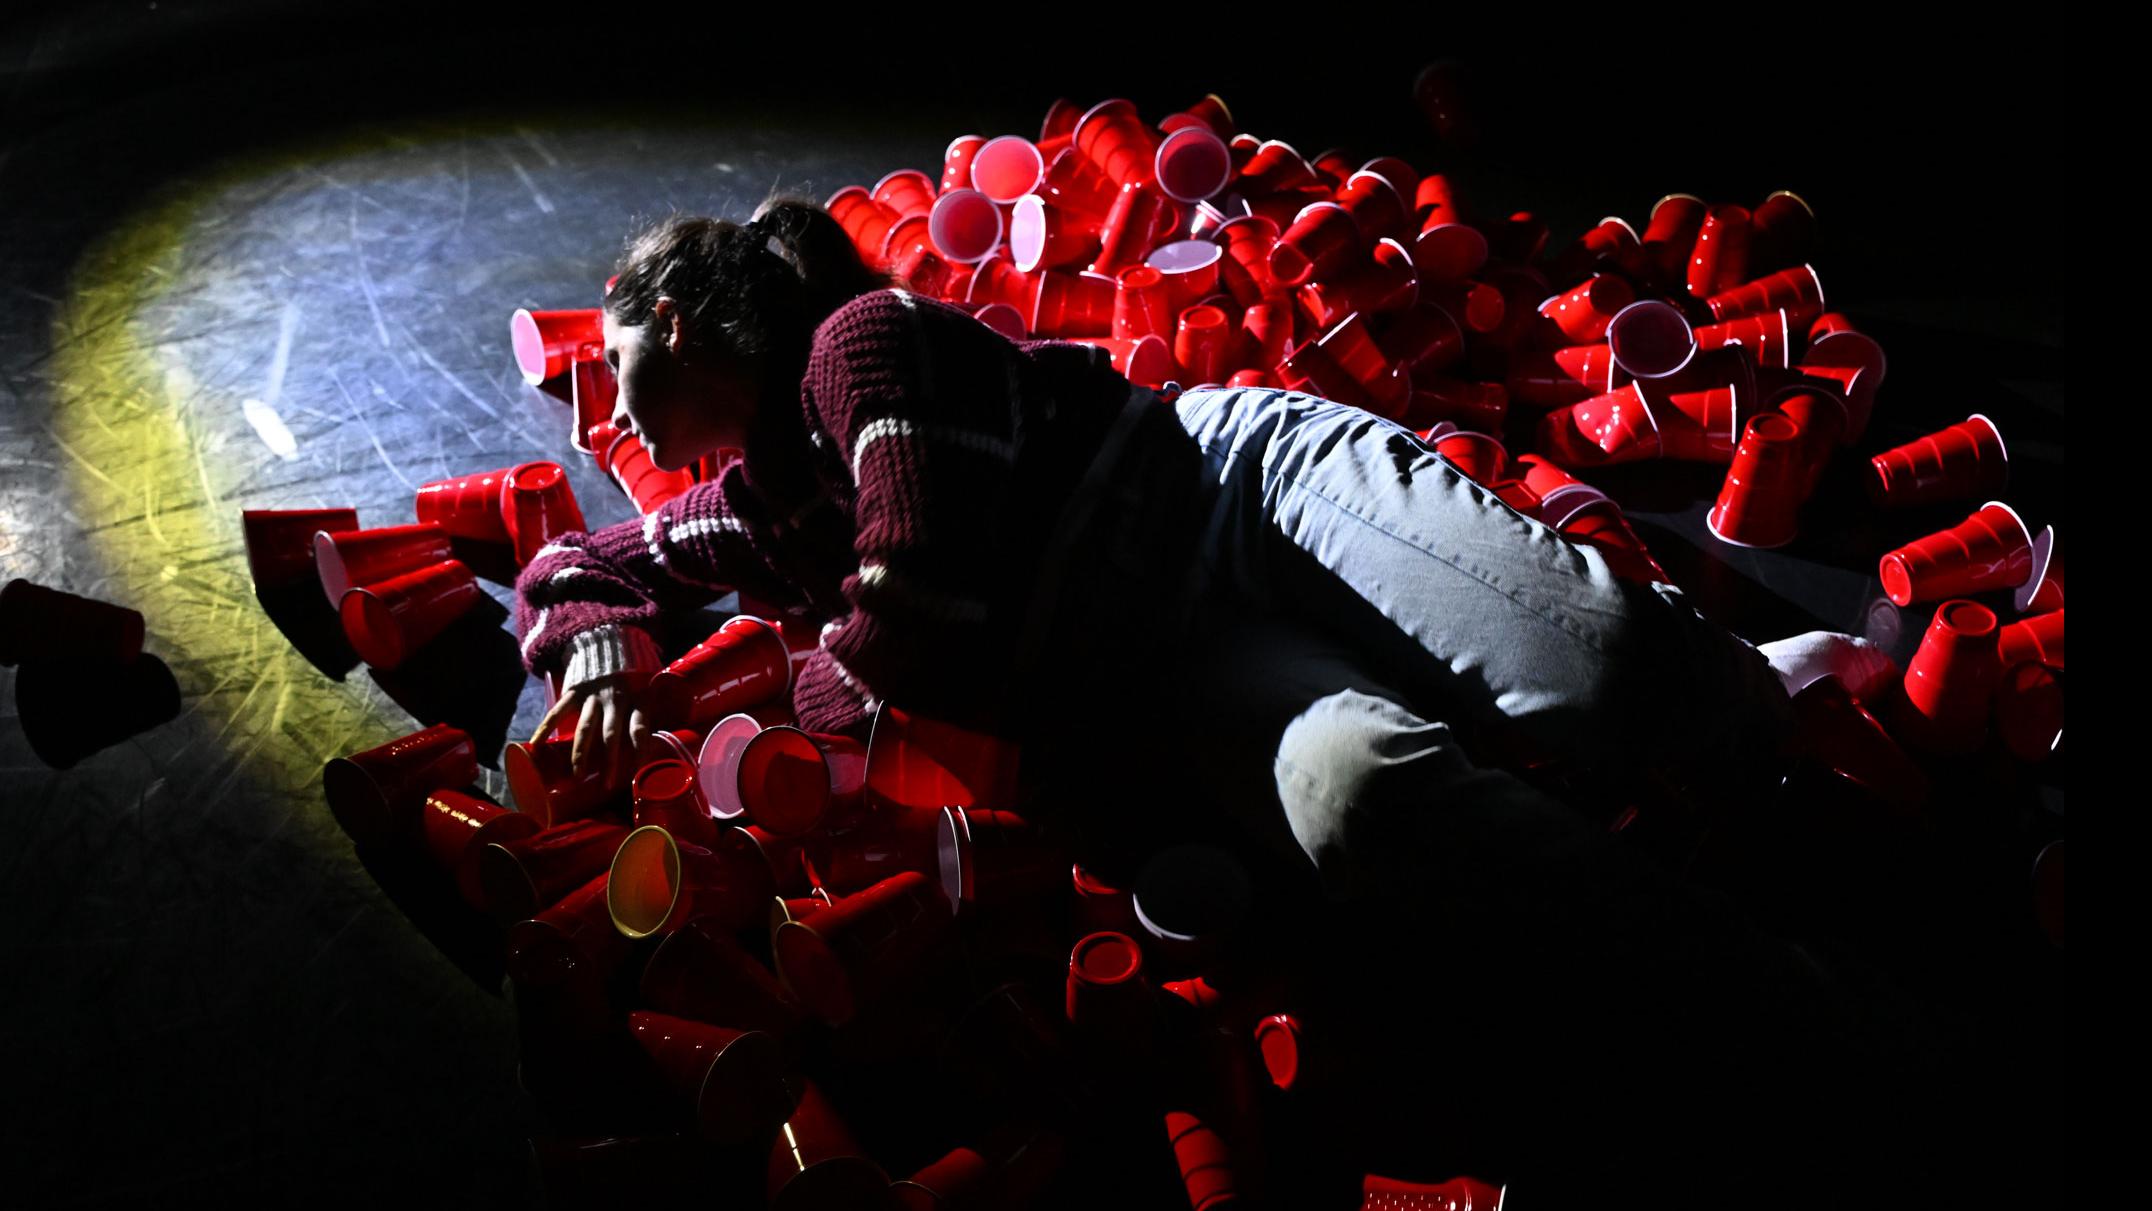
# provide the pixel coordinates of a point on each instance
(927, 469)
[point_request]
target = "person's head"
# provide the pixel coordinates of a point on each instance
(708, 318)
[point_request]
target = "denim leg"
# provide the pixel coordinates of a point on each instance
(1340, 516)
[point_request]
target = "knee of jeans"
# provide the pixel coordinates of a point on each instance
(1346, 765)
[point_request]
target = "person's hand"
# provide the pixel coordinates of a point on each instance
(1862, 667)
(608, 728)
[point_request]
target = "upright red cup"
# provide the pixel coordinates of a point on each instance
(546, 342)
(1966, 459)
(280, 542)
(539, 504)
(37, 623)
(1190, 268)
(1204, 344)
(1075, 304)
(376, 795)
(1992, 549)
(455, 826)
(543, 782)
(468, 506)
(856, 948)
(1950, 683)
(1142, 305)
(666, 794)
(1760, 502)
(391, 619)
(734, 1079)
(745, 664)
(353, 558)
(1107, 997)
(1720, 256)
(521, 876)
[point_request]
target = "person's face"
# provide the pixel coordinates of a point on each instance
(680, 408)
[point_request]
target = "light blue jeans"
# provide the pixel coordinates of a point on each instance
(1376, 633)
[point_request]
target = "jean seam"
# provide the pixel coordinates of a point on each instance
(1561, 624)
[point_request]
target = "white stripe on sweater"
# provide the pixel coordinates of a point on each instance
(566, 573)
(651, 523)
(894, 426)
(852, 683)
(537, 629)
(704, 525)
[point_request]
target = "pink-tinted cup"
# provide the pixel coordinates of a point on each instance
(1992, 549)
(546, 342)
(965, 225)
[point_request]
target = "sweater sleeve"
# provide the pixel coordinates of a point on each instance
(587, 604)
(930, 428)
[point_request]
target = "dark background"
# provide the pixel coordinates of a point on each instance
(296, 1039)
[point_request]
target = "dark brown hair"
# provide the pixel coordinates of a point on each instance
(755, 291)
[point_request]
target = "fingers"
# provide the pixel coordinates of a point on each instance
(589, 733)
(616, 735)
(638, 728)
(561, 706)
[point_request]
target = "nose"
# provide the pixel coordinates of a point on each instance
(621, 420)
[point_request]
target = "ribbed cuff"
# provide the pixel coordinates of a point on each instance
(608, 651)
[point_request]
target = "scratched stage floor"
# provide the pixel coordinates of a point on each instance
(205, 991)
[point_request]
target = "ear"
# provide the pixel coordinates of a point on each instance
(665, 314)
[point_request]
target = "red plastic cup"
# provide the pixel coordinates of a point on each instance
(1992, 549)
(592, 391)
(280, 542)
(575, 932)
(1376, 206)
(539, 505)
(1278, 1042)
(1966, 459)
(376, 795)
(1583, 314)
(995, 859)
(1612, 240)
(1671, 235)
(1115, 140)
(1720, 256)
(1190, 269)
(1481, 407)
(965, 225)
(519, 877)
(349, 559)
(1421, 338)
(865, 220)
(1783, 229)
(41, 624)
(1759, 504)
(1129, 229)
(543, 782)
(2037, 639)
(1146, 361)
(1142, 305)
(468, 506)
(1351, 345)
(1073, 186)
(1456, 1194)
(999, 281)
(1205, 1159)
(1099, 905)
(546, 342)
(1616, 427)
(1449, 252)
(660, 882)
(1794, 290)
(1479, 306)
(907, 191)
(1950, 683)
(1435, 201)
(882, 842)
(387, 621)
(916, 761)
(1601, 525)
(2028, 711)
(717, 760)
(1191, 164)
(1651, 339)
(700, 972)
(1836, 731)
(1203, 347)
(846, 954)
(816, 1165)
(1481, 458)
(734, 1079)
(1386, 281)
(2042, 590)
(745, 664)
(1006, 168)
(1274, 168)
(956, 161)
(1322, 239)
(454, 826)
(1830, 323)
(1768, 335)
(1518, 239)
(1074, 304)
(1107, 996)
(666, 794)
(791, 780)
(1822, 422)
